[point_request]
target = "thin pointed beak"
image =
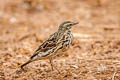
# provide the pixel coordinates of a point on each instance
(75, 23)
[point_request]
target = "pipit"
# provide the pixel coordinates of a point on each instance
(57, 43)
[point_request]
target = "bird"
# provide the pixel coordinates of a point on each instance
(57, 43)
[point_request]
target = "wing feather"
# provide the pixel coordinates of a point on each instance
(47, 45)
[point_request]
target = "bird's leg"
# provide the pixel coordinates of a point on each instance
(51, 62)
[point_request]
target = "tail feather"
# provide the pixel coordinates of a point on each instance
(25, 64)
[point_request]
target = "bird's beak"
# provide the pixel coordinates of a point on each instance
(75, 23)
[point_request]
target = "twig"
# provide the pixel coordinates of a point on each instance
(113, 77)
(82, 58)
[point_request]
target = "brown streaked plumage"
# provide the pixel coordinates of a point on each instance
(58, 41)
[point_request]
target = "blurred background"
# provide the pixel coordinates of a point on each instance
(94, 55)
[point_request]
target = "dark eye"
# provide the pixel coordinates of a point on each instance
(70, 25)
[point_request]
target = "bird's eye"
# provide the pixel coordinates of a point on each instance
(70, 24)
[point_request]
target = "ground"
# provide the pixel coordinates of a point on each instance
(94, 54)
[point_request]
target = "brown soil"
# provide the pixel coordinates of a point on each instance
(94, 55)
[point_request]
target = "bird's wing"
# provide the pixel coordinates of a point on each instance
(47, 45)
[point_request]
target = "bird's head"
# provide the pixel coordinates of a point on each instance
(67, 25)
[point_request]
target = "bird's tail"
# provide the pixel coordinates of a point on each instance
(22, 66)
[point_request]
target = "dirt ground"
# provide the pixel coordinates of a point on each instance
(94, 55)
